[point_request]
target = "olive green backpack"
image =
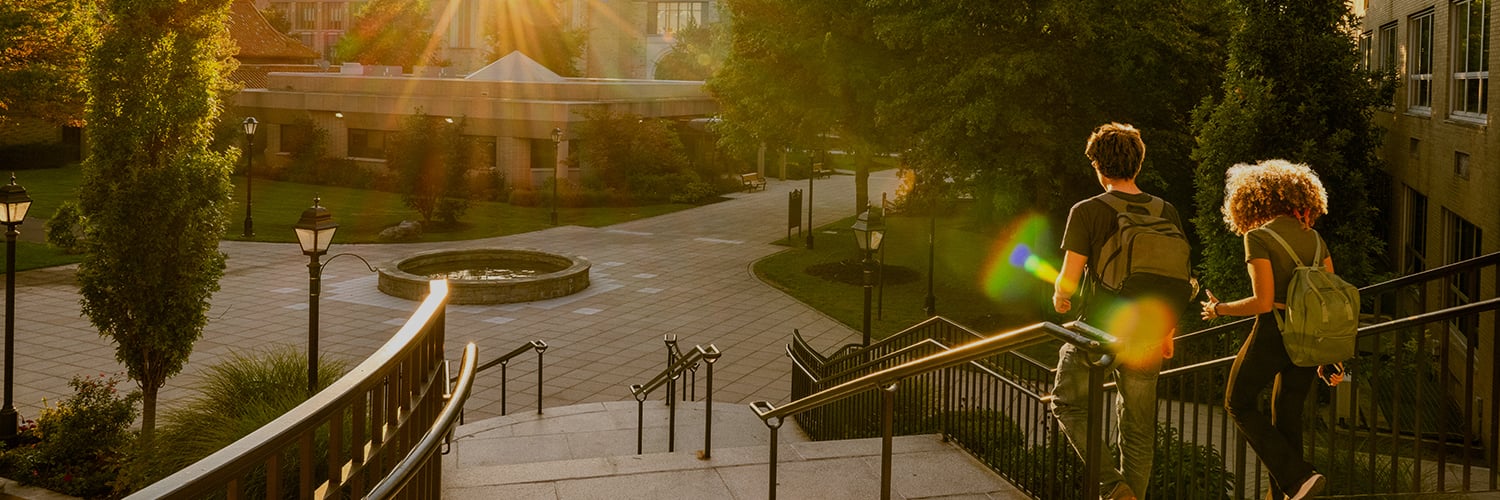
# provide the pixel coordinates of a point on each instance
(1322, 311)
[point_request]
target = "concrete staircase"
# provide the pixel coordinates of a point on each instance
(587, 451)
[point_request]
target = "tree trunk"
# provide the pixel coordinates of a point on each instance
(148, 412)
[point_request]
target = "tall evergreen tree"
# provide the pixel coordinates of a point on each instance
(391, 32)
(1293, 89)
(538, 29)
(155, 194)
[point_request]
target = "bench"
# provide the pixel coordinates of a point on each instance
(752, 181)
(819, 171)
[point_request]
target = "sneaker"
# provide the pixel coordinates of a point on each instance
(1310, 487)
(1122, 491)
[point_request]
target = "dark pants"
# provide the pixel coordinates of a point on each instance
(1277, 438)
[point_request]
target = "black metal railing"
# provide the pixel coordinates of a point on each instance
(677, 366)
(1417, 414)
(950, 389)
(503, 362)
(411, 467)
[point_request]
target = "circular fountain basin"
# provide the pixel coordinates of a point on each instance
(487, 275)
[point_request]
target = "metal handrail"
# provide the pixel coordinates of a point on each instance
(441, 431)
(897, 338)
(382, 397)
(886, 380)
(707, 355)
(504, 361)
(1092, 339)
(883, 358)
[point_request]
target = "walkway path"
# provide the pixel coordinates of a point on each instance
(685, 273)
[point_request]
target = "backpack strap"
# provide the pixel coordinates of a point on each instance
(1317, 259)
(1154, 207)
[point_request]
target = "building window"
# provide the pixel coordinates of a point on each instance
(1386, 51)
(1419, 68)
(1414, 244)
(1461, 164)
(1414, 148)
(330, 42)
(1366, 51)
(1471, 56)
(334, 15)
(307, 16)
(1464, 240)
(367, 143)
(671, 17)
(306, 39)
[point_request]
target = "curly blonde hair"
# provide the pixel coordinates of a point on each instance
(1254, 194)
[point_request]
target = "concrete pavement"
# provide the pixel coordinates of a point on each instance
(685, 273)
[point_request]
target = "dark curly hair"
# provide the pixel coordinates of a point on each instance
(1116, 150)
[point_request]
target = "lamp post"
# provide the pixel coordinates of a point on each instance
(14, 202)
(314, 232)
(869, 230)
(556, 144)
(249, 125)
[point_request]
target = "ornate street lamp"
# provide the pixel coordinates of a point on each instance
(249, 125)
(13, 205)
(869, 230)
(314, 233)
(556, 144)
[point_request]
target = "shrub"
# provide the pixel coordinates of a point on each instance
(695, 193)
(65, 228)
(221, 414)
(1183, 470)
(78, 447)
(524, 198)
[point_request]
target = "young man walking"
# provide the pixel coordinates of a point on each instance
(1138, 308)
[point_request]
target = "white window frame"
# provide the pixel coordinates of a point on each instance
(1419, 64)
(1469, 69)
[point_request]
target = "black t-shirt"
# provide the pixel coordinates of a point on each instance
(1092, 221)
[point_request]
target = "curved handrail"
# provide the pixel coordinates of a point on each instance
(226, 465)
(1076, 333)
(404, 470)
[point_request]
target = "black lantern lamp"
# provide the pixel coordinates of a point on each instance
(557, 134)
(250, 125)
(314, 233)
(869, 231)
(13, 206)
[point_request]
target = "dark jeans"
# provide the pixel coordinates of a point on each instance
(1276, 438)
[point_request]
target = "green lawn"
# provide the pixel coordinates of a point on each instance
(361, 214)
(962, 254)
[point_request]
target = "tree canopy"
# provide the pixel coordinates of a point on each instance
(389, 32)
(43, 44)
(1000, 95)
(535, 28)
(697, 53)
(1293, 89)
(155, 194)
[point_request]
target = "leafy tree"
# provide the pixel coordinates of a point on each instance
(1293, 89)
(155, 195)
(799, 72)
(43, 46)
(390, 32)
(697, 52)
(538, 29)
(278, 19)
(1002, 95)
(432, 159)
(643, 158)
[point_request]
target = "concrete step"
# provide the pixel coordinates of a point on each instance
(574, 453)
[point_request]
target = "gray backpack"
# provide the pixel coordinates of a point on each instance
(1322, 311)
(1145, 248)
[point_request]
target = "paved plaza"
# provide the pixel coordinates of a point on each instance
(687, 273)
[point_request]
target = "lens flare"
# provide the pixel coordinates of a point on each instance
(1141, 328)
(1013, 269)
